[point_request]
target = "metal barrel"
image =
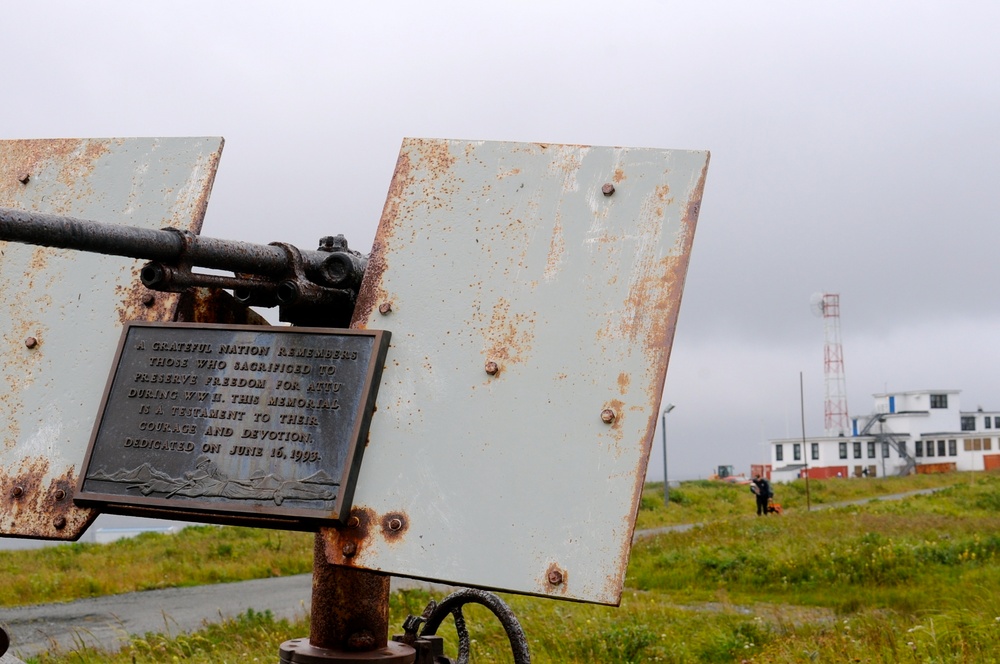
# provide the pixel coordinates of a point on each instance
(170, 246)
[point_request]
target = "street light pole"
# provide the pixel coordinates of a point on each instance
(666, 482)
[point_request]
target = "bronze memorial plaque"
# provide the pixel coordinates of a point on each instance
(234, 423)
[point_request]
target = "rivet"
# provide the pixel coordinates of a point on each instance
(608, 189)
(60, 523)
(555, 577)
(349, 549)
(17, 492)
(395, 524)
(385, 308)
(353, 522)
(492, 368)
(60, 494)
(149, 299)
(23, 178)
(608, 416)
(31, 342)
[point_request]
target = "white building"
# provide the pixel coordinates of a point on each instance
(922, 431)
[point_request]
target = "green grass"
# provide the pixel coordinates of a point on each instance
(884, 581)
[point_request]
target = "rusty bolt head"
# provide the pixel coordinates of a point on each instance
(363, 640)
(608, 189)
(31, 342)
(385, 308)
(353, 522)
(492, 368)
(149, 299)
(349, 549)
(608, 416)
(23, 178)
(555, 577)
(60, 494)
(18, 491)
(59, 523)
(395, 524)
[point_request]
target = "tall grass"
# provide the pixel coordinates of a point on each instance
(902, 581)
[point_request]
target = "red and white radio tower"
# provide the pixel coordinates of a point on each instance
(837, 421)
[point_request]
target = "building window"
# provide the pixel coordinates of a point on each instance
(952, 448)
(987, 443)
(918, 448)
(968, 423)
(996, 422)
(902, 449)
(797, 452)
(885, 450)
(972, 444)
(843, 450)
(939, 401)
(986, 422)
(779, 452)
(929, 448)
(814, 451)
(871, 449)
(857, 449)
(940, 448)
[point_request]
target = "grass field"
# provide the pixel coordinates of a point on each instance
(913, 580)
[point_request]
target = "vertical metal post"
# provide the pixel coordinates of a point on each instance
(805, 452)
(666, 480)
(350, 618)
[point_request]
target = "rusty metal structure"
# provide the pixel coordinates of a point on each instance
(531, 290)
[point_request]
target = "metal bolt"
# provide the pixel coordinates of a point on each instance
(555, 577)
(385, 308)
(608, 416)
(18, 491)
(353, 522)
(31, 342)
(60, 494)
(349, 549)
(23, 178)
(60, 523)
(492, 368)
(363, 640)
(395, 524)
(608, 189)
(149, 299)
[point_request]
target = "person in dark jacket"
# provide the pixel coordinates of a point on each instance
(762, 488)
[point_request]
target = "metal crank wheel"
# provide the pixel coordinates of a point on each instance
(428, 644)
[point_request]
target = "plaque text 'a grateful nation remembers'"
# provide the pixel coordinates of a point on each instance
(244, 421)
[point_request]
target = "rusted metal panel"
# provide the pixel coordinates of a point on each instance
(532, 293)
(61, 312)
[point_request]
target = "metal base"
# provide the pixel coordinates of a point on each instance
(299, 651)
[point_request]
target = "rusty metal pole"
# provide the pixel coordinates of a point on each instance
(350, 618)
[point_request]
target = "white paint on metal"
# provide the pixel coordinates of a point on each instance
(511, 253)
(75, 304)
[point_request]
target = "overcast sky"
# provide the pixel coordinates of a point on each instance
(855, 150)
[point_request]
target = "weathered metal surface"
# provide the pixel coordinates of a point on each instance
(73, 305)
(245, 420)
(532, 292)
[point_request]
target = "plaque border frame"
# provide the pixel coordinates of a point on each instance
(191, 509)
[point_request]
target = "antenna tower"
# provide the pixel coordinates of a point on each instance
(837, 422)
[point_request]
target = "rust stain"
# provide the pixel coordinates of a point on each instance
(676, 269)
(371, 292)
(351, 537)
(212, 305)
(509, 336)
(619, 176)
(394, 526)
(75, 158)
(36, 510)
(555, 581)
(557, 248)
(623, 382)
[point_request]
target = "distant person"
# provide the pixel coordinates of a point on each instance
(762, 489)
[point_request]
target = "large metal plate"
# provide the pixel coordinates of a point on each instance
(235, 420)
(71, 306)
(527, 479)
